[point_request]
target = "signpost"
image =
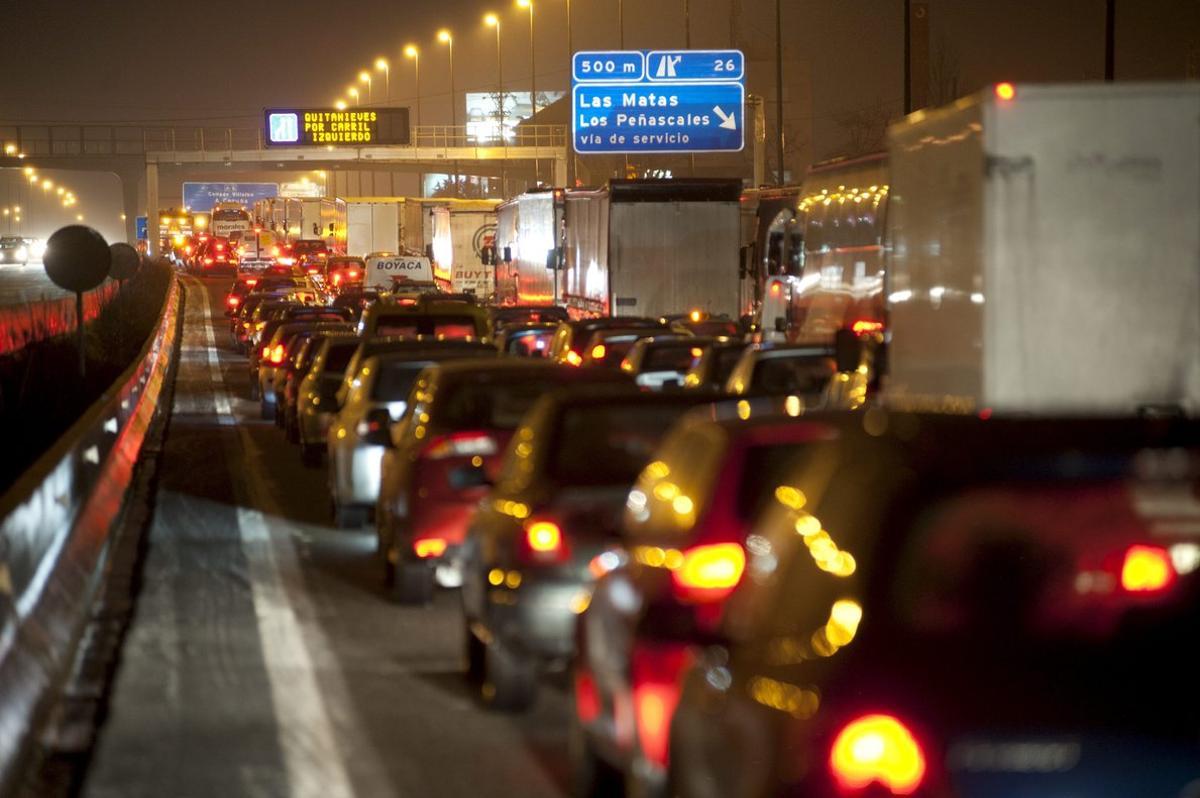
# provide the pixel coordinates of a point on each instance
(77, 259)
(322, 127)
(143, 228)
(659, 101)
(203, 197)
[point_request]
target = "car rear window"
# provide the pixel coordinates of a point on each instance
(677, 357)
(534, 343)
(726, 359)
(442, 326)
(765, 468)
(714, 328)
(799, 374)
(395, 380)
(608, 445)
(490, 403)
(338, 356)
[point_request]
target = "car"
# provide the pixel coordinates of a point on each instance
(508, 315)
(526, 339)
(14, 250)
(287, 385)
(213, 256)
(268, 360)
(662, 362)
(309, 256)
(783, 369)
(460, 417)
(700, 323)
(316, 395)
(711, 371)
(379, 345)
(343, 272)
(607, 348)
(572, 336)
(377, 398)
(622, 680)
(959, 606)
(429, 315)
(549, 527)
(356, 299)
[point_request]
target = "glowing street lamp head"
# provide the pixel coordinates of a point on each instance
(411, 51)
(524, 3)
(491, 20)
(364, 77)
(10, 149)
(444, 36)
(340, 105)
(353, 92)
(381, 64)
(61, 191)
(28, 170)
(47, 185)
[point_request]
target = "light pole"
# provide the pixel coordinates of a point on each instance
(532, 58)
(779, 88)
(493, 21)
(412, 52)
(621, 23)
(353, 92)
(383, 66)
(447, 39)
(365, 77)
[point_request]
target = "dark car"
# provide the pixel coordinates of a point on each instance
(726, 468)
(662, 362)
(950, 606)
(215, 256)
(572, 336)
(607, 348)
(267, 362)
(356, 299)
(297, 367)
(712, 370)
(510, 315)
(429, 315)
(379, 345)
(531, 339)
(547, 529)
(706, 324)
(460, 418)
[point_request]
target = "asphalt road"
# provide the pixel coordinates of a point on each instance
(264, 658)
(28, 283)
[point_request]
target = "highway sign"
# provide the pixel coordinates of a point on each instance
(203, 197)
(322, 127)
(142, 228)
(662, 101)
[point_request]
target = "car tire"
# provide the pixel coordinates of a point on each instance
(473, 652)
(509, 679)
(412, 583)
(254, 390)
(348, 517)
(310, 454)
(291, 430)
(266, 410)
(591, 776)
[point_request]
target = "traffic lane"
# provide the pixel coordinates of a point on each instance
(384, 682)
(28, 283)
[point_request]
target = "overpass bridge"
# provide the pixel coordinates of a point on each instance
(137, 152)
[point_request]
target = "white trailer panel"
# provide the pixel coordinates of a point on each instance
(372, 227)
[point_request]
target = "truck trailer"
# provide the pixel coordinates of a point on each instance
(632, 248)
(1045, 250)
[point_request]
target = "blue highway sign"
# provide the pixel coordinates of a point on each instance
(202, 197)
(142, 228)
(676, 101)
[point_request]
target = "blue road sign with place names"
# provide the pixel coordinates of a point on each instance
(660, 101)
(202, 197)
(142, 228)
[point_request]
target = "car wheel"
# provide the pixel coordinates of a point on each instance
(591, 776)
(254, 390)
(412, 583)
(509, 678)
(310, 454)
(473, 649)
(291, 430)
(348, 517)
(266, 410)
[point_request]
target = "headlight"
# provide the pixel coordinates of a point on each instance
(22, 254)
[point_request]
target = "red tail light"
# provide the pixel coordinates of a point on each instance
(656, 674)
(866, 326)
(208, 261)
(877, 749)
(265, 354)
(544, 542)
(1147, 569)
(277, 355)
(253, 281)
(599, 351)
(587, 699)
(460, 444)
(353, 273)
(220, 247)
(408, 302)
(709, 573)
(314, 271)
(233, 301)
(429, 547)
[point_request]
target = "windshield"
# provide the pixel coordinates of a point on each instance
(672, 357)
(444, 326)
(395, 380)
(793, 374)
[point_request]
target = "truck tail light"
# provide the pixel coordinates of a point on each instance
(587, 698)
(866, 327)
(429, 547)
(460, 444)
(656, 676)
(543, 542)
(709, 573)
(1006, 91)
(877, 749)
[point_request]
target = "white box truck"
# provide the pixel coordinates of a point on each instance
(1045, 250)
(633, 248)
(372, 227)
(460, 232)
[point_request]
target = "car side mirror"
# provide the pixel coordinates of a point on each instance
(376, 428)
(487, 256)
(552, 260)
(847, 348)
(780, 324)
(508, 254)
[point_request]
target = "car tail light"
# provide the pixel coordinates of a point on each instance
(337, 279)
(543, 542)
(353, 273)
(265, 354)
(252, 281)
(232, 301)
(274, 252)
(208, 261)
(573, 358)
(877, 749)
(313, 271)
(709, 573)
(287, 261)
(429, 547)
(221, 258)
(866, 327)
(587, 699)
(1147, 569)
(220, 247)
(460, 444)
(277, 354)
(656, 673)
(1006, 91)
(599, 351)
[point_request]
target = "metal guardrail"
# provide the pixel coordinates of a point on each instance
(109, 141)
(55, 525)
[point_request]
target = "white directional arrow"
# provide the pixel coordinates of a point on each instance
(728, 121)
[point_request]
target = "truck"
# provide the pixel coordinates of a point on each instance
(1045, 250)
(631, 248)
(323, 219)
(372, 227)
(459, 236)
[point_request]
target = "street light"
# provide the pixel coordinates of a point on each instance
(532, 58)
(411, 51)
(340, 105)
(383, 66)
(445, 38)
(365, 77)
(353, 92)
(493, 21)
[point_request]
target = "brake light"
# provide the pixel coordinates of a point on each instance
(573, 358)
(275, 252)
(337, 279)
(1006, 91)
(877, 749)
(233, 301)
(277, 354)
(1147, 569)
(252, 281)
(544, 542)
(866, 326)
(776, 289)
(314, 271)
(655, 674)
(429, 547)
(460, 444)
(208, 261)
(598, 352)
(353, 273)
(266, 353)
(220, 247)
(287, 261)
(587, 698)
(710, 573)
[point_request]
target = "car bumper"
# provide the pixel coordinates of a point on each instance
(358, 480)
(538, 616)
(314, 426)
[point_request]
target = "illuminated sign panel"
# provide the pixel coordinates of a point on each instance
(322, 127)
